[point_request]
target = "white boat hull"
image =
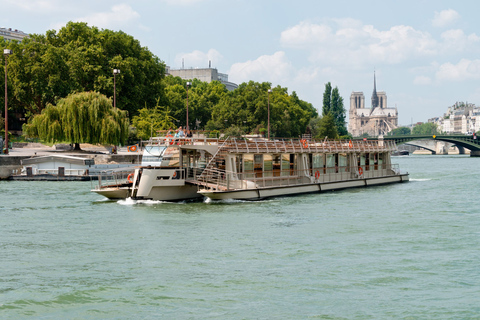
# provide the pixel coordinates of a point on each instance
(114, 193)
(262, 193)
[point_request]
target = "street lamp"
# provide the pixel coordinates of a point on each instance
(6, 52)
(268, 94)
(115, 72)
(188, 85)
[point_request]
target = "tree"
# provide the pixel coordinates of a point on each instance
(149, 121)
(428, 128)
(333, 104)
(327, 99)
(327, 128)
(247, 107)
(79, 58)
(86, 117)
(400, 131)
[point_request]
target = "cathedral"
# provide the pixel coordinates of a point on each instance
(374, 121)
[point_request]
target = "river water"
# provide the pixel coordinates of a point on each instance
(402, 251)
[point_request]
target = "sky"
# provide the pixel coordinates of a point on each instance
(424, 53)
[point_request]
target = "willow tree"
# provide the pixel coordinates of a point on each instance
(86, 117)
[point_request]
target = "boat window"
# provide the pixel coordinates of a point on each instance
(362, 159)
(258, 165)
(380, 160)
(373, 160)
(318, 162)
(276, 165)
(171, 157)
(293, 164)
(268, 165)
(239, 163)
(285, 164)
(248, 165)
(330, 163)
(152, 155)
(342, 160)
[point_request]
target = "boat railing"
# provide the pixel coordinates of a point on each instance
(217, 179)
(115, 178)
(259, 145)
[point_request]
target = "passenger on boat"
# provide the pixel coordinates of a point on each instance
(179, 133)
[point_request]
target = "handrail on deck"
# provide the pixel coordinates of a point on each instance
(217, 179)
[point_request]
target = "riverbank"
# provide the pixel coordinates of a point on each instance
(101, 155)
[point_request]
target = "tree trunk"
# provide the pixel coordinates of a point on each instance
(76, 146)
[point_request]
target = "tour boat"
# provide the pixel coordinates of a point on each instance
(252, 169)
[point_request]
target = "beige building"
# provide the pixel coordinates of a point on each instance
(10, 34)
(374, 121)
(203, 74)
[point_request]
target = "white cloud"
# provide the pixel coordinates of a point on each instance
(445, 18)
(198, 59)
(182, 2)
(349, 43)
(272, 68)
(119, 15)
(456, 40)
(422, 80)
(37, 5)
(464, 70)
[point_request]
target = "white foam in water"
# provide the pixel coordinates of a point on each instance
(131, 202)
(127, 202)
(420, 179)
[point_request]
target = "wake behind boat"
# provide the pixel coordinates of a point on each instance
(249, 169)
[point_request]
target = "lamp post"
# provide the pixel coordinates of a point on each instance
(268, 128)
(6, 52)
(115, 72)
(188, 85)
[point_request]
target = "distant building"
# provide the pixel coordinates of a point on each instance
(461, 118)
(10, 34)
(374, 121)
(203, 74)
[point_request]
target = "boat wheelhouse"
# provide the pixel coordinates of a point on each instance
(255, 169)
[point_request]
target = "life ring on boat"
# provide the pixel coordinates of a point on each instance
(128, 178)
(304, 143)
(360, 171)
(174, 175)
(317, 174)
(132, 148)
(350, 144)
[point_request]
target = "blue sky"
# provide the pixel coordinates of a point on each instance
(425, 53)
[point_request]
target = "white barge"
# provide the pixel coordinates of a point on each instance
(256, 169)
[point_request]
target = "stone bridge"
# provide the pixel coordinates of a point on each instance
(439, 144)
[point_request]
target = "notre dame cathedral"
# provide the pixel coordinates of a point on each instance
(374, 121)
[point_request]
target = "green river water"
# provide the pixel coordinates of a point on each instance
(402, 251)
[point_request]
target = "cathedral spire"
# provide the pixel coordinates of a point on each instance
(374, 94)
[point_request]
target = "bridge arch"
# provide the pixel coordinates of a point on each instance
(470, 142)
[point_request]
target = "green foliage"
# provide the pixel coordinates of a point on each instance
(78, 58)
(86, 117)
(327, 99)
(425, 129)
(149, 121)
(400, 131)
(234, 131)
(333, 104)
(327, 128)
(247, 107)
